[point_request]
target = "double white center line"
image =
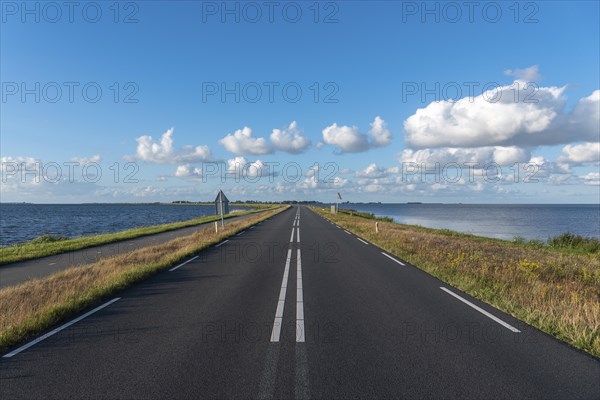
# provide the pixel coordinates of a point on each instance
(299, 301)
(278, 321)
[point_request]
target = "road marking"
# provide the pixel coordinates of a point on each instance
(292, 237)
(222, 243)
(347, 232)
(362, 241)
(182, 264)
(252, 227)
(241, 233)
(51, 263)
(481, 310)
(298, 235)
(393, 259)
(300, 336)
(276, 332)
(60, 328)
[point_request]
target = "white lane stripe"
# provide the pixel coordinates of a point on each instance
(347, 232)
(362, 241)
(52, 264)
(300, 335)
(292, 237)
(222, 243)
(481, 310)
(280, 306)
(182, 264)
(299, 321)
(298, 235)
(252, 227)
(276, 332)
(393, 259)
(60, 328)
(241, 233)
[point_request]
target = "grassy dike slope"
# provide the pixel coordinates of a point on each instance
(38, 304)
(557, 291)
(49, 246)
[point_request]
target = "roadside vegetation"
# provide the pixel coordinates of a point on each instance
(38, 304)
(365, 215)
(553, 286)
(49, 245)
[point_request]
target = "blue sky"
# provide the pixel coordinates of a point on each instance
(369, 133)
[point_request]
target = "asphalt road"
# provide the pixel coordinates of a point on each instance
(324, 315)
(19, 272)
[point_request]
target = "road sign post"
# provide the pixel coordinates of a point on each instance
(222, 218)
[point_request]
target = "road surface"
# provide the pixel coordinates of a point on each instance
(297, 308)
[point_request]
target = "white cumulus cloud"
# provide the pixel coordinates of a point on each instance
(502, 155)
(187, 171)
(585, 153)
(240, 167)
(372, 171)
(162, 152)
(289, 140)
(592, 178)
(242, 142)
(347, 138)
(350, 140)
(379, 133)
(504, 117)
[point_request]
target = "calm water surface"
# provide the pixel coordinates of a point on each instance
(497, 221)
(22, 222)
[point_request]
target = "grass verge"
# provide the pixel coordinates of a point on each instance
(38, 304)
(48, 245)
(549, 287)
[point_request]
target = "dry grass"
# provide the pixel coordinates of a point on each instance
(554, 290)
(34, 306)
